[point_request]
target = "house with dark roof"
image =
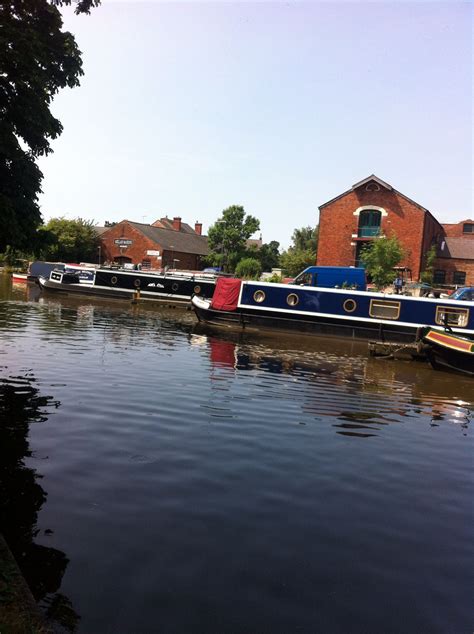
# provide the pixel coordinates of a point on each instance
(165, 243)
(371, 208)
(455, 255)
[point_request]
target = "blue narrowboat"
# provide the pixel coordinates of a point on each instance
(331, 311)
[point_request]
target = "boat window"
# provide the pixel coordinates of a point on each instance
(137, 283)
(350, 305)
(448, 316)
(197, 290)
(383, 309)
(292, 299)
(259, 296)
(113, 279)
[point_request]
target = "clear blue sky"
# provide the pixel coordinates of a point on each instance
(187, 108)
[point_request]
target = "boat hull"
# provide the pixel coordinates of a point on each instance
(49, 286)
(303, 324)
(446, 351)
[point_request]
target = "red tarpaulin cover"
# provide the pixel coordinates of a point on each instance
(226, 294)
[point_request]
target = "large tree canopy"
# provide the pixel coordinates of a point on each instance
(69, 240)
(227, 237)
(37, 58)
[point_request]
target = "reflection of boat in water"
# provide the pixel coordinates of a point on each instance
(330, 311)
(125, 284)
(19, 278)
(446, 351)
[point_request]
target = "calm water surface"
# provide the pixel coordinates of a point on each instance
(157, 477)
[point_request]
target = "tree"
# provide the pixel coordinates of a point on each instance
(268, 255)
(380, 257)
(306, 239)
(69, 240)
(293, 261)
(427, 273)
(248, 268)
(228, 235)
(303, 251)
(37, 58)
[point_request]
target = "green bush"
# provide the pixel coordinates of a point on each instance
(248, 269)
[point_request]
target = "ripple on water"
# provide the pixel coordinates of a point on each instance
(243, 486)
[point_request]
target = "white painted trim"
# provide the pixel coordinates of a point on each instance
(367, 320)
(370, 207)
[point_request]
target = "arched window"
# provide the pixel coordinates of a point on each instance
(369, 223)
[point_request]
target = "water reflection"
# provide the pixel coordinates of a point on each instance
(21, 496)
(361, 395)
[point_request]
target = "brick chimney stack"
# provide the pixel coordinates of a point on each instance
(177, 223)
(198, 228)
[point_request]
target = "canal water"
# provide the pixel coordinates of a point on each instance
(158, 477)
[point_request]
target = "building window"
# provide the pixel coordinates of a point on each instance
(439, 277)
(369, 223)
(468, 227)
(459, 278)
(146, 264)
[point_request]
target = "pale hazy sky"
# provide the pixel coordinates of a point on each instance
(188, 107)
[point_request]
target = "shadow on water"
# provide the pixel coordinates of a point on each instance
(21, 497)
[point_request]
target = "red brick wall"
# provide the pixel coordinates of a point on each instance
(451, 265)
(404, 219)
(455, 230)
(138, 250)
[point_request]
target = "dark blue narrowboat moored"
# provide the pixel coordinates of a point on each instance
(331, 311)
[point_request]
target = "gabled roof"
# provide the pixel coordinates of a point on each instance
(171, 240)
(100, 230)
(458, 248)
(378, 181)
(374, 178)
(167, 223)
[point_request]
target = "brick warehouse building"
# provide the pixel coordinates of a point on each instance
(165, 243)
(371, 208)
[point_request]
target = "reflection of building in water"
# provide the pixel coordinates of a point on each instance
(21, 496)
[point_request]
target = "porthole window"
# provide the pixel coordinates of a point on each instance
(292, 299)
(350, 305)
(259, 296)
(137, 283)
(174, 287)
(113, 279)
(197, 290)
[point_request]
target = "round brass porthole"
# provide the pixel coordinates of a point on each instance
(349, 305)
(113, 279)
(137, 283)
(174, 287)
(292, 299)
(259, 296)
(197, 290)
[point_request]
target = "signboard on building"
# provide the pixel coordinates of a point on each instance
(123, 242)
(152, 252)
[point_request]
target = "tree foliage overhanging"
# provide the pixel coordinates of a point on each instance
(37, 59)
